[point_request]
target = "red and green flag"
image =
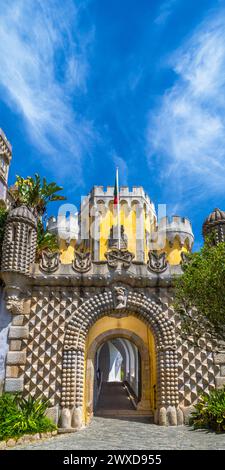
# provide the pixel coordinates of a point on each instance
(116, 189)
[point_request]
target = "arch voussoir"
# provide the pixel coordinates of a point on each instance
(149, 311)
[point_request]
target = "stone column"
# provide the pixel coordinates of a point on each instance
(16, 357)
(72, 388)
(77, 418)
(219, 360)
(168, 397)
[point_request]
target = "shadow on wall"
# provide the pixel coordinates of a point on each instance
(5, 321)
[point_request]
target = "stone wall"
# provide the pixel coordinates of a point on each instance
(5, 321)
(198, 367)
(36, 338)
(46, 323)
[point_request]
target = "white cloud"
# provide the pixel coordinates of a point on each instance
(165, 10)
(123, 170)
(43, 66)
(186, 133)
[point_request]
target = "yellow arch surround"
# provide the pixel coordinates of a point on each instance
(121, 327)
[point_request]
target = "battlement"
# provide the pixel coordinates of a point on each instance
(131, 195)
(175, 222)
(135, 191)
(177, 226)
(5, 146)
(65, 228)
(51, 224)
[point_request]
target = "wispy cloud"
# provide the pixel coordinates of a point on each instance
(123, 169)
(186, 132)
(165, 11)
(43, 68)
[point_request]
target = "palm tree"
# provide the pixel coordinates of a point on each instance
(35, 193)
(46, 241)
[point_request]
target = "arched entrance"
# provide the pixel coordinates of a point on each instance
(119, 303)
(117, 380)
(139, 368)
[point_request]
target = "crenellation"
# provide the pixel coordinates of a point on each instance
(66, 311)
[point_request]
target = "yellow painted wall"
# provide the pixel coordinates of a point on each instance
(174, 251)
(106, 223)
(127, 219)
(135, 325)
(66, 251)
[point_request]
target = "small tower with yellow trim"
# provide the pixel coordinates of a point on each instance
(178, 237)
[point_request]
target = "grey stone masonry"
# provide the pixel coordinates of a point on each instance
(17, 332)
(19, 244)
(14, 385)
(220, 361)
(16, 357)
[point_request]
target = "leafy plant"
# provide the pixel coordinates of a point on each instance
(35, 193)
(20, 416)
(200, 292)
(46, 241)
(210, 411)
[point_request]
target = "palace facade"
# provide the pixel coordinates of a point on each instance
(92, 328)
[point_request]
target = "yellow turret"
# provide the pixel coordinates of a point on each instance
(179, 237)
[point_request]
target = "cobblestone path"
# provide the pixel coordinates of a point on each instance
(112, 434)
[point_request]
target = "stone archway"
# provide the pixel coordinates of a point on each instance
(144, 403)
(119, 301)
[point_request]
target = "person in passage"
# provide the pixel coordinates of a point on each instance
(98, 375)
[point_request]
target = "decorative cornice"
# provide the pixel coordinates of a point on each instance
(116, 257)
(49, 262)
(100, 274)
(14, 305)
(82, 262)
(157, 262)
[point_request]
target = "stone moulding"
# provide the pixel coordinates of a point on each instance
(49, 262)
(151, 311)
(115, 257)
(184, 259)
(14, 305)
(82, 262)
(157, 262)
(73, 348)
(120, 297)
(137, 275)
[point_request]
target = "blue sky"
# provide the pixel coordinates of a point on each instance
(88, 85)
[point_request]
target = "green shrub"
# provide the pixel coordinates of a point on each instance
(20, 416)
(210, 411)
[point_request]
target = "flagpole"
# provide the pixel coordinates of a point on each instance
(118, 206)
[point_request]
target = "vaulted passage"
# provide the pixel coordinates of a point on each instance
(120, 376)
(117, 385)
(113, 399)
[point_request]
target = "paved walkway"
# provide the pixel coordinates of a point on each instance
(113, 396)
(112, 434)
